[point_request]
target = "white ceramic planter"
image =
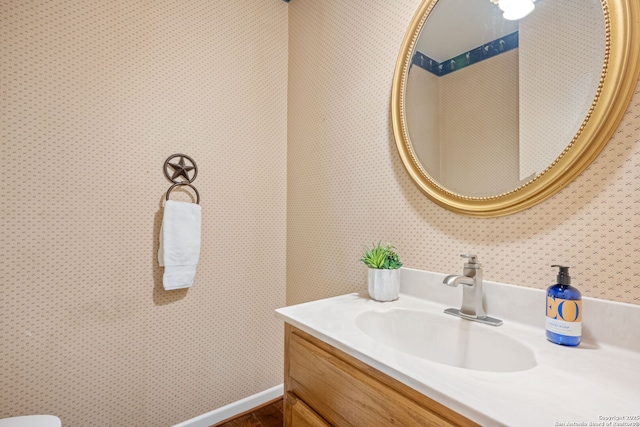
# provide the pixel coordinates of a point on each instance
(384, 285)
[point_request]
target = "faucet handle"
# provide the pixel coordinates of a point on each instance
(472, 258)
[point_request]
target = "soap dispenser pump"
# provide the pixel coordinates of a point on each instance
(563, 320)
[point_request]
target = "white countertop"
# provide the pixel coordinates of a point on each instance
(592, 384)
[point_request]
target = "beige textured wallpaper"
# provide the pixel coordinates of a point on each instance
(96, 94)
(559, 33)
(464, 125)
(423, 117)
(479, 127)
(347, 186)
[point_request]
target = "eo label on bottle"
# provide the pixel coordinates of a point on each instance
(564, 316)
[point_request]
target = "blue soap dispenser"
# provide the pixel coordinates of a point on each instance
(563, 320)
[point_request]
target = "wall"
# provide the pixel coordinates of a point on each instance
(562, 38)
(95, 96)
(423, 117)
(347, 186)
(463, 125)
(479, 127)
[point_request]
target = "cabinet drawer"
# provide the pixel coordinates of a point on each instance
(302, 415)
(344, 395)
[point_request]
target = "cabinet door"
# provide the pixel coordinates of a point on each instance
(302, 415)
(346, 396)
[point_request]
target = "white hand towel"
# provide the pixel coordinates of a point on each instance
(179, 251)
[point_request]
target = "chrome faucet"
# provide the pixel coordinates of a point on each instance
(471, 279)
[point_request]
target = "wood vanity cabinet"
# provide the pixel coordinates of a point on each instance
(326, 387)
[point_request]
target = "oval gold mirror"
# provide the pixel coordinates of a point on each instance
(492, 116)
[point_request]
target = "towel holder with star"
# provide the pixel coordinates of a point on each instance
(181, 169)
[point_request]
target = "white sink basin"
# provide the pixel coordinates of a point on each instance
(447, 340)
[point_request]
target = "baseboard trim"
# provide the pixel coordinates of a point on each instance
(235, 408)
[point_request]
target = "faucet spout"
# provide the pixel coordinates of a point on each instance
(454, 280)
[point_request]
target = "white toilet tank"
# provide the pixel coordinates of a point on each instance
(31, 421)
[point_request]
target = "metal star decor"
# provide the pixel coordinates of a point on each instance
(180, 169)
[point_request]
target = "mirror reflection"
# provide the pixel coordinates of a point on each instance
(490, 103)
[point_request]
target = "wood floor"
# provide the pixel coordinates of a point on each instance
(269, 415)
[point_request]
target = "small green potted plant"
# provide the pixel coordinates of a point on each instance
(384, 272)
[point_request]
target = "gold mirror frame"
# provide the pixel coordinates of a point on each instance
(620, 73)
